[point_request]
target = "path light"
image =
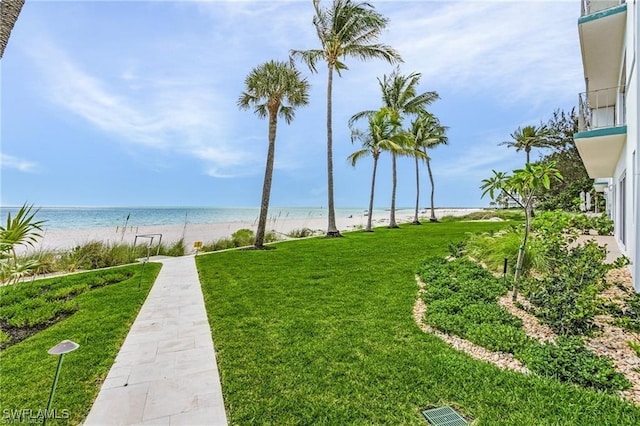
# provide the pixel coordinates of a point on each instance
(60, 349)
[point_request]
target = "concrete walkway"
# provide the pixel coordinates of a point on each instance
(166, 371)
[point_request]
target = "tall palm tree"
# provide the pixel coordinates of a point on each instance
(400, 94)
(427, 132)
(9, 11)
(380, 136)
(345, 29)
(273, 89)
(528, 137)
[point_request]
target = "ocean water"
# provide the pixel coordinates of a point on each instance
(59, 218)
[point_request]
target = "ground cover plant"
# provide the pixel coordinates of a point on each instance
(461, 299)
(97, 311)
(320, 331)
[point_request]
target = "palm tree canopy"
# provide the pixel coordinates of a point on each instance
(400, 94)
(347, 29)
(527, 137)
(381, 135)
(22, 229)
(427, 131)
(274, 87)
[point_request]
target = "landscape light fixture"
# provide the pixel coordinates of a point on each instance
(60, 349)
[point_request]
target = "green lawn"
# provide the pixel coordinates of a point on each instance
(102, 320)
(320, 331)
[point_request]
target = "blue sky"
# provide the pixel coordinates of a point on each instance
(132, 103)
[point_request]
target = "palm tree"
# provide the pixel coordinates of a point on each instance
(273, 89)
(427, 132)
(399, 94)
(20, 230)
(528, 137)
(345, 29)
(9, 11)
(380, 136)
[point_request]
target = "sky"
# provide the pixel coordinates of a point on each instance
(134, 103)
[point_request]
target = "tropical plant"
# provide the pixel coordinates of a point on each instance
(427, 132)
(345, 29)
(521, 187)
(381, 135)
(562, 126)
(273, 89)
(21, 230)
(528, 137)
(399, 94)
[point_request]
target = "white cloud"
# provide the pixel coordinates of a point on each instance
(11, 162)
(512, 51)
(177, 114)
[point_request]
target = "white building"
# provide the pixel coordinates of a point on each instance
(609, 140)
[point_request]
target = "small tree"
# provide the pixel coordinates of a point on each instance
(521, 187)
(21, 230)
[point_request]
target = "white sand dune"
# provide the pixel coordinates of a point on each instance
(209, 232)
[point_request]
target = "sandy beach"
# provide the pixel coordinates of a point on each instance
(209, 232)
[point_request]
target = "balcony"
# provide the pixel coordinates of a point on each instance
(602, 130)
(589, 7)
(602, 27)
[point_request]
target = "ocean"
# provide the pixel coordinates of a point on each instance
(60, 218)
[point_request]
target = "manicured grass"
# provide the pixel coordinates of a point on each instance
(99, 325)
(320, 331)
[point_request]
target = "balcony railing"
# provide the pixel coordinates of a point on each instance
(593, 6)
(601, 108)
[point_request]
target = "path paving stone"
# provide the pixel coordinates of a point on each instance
(166, 371)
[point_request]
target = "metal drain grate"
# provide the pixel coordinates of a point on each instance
(443, 416)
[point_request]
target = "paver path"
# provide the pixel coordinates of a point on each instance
(166, 371)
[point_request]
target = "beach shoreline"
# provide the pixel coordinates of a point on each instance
(61, 240)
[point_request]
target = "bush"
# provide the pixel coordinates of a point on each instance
(568, 360)
(603, 225)
(243, 237)
(566, 298)
(301, 233)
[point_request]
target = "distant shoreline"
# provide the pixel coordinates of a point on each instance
(65, 239)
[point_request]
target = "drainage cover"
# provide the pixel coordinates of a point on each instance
(443, 416)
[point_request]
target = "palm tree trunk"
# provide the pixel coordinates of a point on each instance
(268, 175)
(373, 187)
(392, 218)
(9, 12)
(433, 217)
(332, 229)
(415, 217)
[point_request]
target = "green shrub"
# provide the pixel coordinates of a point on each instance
(603, 225)
(243, 237)
(566, 297)
(568, 360)
(628, 318)
(301, 233)
(270, 237)
(223, 244)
